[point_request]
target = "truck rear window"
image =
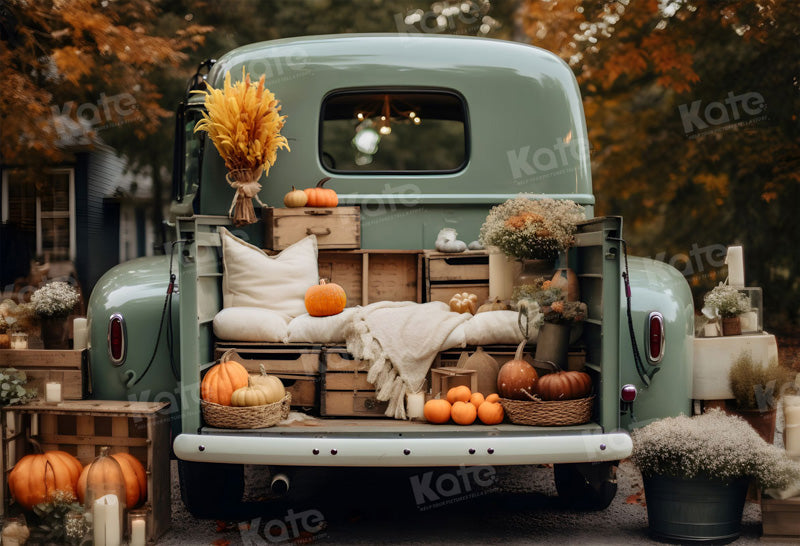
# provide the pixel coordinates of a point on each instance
(393, 131)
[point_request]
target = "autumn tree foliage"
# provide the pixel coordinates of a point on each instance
(73, 67)
(692, 115)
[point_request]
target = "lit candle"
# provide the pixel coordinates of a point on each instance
(138, 532)
(415, 402)
(79, 334)
(735, 261)
(52, 393)
(501, 275)
(113, 525)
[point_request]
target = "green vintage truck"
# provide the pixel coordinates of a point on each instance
(476, 122)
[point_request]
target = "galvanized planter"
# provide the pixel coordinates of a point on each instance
(697, 509)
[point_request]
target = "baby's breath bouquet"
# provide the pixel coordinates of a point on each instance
(55, 299)
(243, 122)
(714, 445)
(725, 301)
(529, 227)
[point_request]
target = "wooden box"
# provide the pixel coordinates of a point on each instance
(298, 367)
(446, 377)
(447, 274)
(82, 427)
(368, 276)
(345, 390)
(43, 366)
(780, 519)
(336, 227)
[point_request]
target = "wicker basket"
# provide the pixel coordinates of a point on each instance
(548, 413)
(264, 416)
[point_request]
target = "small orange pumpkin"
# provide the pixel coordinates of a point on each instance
(516, 377)
(491, 413)
(321, 197)
(36, 477)
(325, 299)
(135, 479)
(437, 410)
(476, 399)
(221, 380)
(494, 397)
(461, 393)
(564, 385)
(463, 413)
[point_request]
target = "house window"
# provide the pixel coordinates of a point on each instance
(43, 212)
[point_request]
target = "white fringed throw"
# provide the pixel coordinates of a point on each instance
(401, 340)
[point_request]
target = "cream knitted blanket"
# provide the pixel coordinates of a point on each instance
(401, 340)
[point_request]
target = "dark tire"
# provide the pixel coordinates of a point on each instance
(212, 490)
(586, 486)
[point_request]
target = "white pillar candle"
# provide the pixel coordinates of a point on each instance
(415, 402)
(735, 261)
(99, 522)
(79, 334)
(791, 440)
(52, 392)
(791, 414)
(501, 275)
(113, 525)
(138, 528)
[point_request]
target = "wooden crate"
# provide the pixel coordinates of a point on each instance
(368, 276)
(43, 366)
(780, 519)
(82, 427)
(447, 274)
(345, 390)
(298, 367)
(337, 227)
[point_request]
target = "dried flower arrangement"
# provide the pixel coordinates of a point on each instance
(725, 301)
(244, 124)
(552, 302)
(755, 386)
(13, 389)
(715, 445)
(55, 299)
(61, 520)
(531, 227)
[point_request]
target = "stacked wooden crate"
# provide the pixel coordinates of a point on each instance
(41, 367)
(345, 389)
(448, 274)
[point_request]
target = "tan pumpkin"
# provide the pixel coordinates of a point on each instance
(564, 385)
(133, 473)
(325, 299)
(516, 378)
(464, 302)
(221, 380)
(437, 411)
(270, 384)
(250, 396)
(492, 304)
(295, 198)
(321, 197)
(36, 477)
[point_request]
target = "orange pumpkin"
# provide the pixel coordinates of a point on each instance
(494, 397)
(221, 380)
(437, 410)
(321, 197)
(35, 478)
(476, 399)
(461, 393)
(516, 377)
(325, 299)
(463, 413)
(564, 385)
(491, 413)
(133, 473)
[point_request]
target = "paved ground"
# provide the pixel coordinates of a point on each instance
(519, 506)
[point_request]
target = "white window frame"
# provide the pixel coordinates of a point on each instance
(40, 215)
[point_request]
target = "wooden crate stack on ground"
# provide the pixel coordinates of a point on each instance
(82, 427)
(448, 274)
(297, 366)
(345, 389)
(41, 367)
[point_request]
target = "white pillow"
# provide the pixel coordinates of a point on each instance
(251, 278)
(250, 324)
(308, 329)
(496, 327)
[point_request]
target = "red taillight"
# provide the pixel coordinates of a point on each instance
(655, 337)
(628, 393)
(116, 339)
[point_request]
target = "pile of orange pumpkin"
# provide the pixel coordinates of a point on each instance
(318, 196)
(36, 478)
(464, 406)
(229, 384)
